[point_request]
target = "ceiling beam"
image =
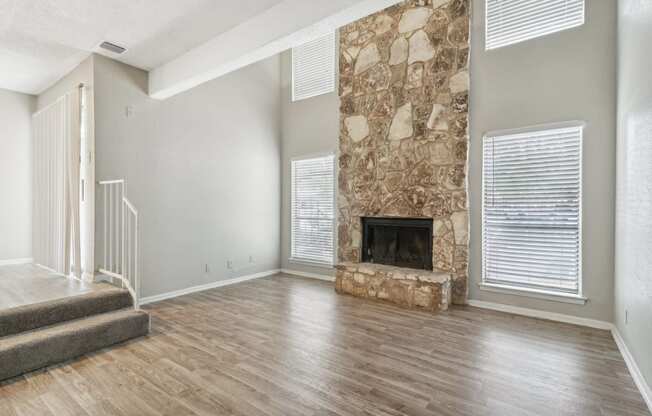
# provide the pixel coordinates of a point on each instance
(288, 24)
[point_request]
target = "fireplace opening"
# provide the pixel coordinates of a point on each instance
(401, 242)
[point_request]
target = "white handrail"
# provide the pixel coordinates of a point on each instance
(111, 182)
(121, 233)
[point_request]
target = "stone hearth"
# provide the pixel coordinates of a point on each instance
(404, 90)
(409, 288)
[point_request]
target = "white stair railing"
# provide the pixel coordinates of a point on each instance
(120, 237)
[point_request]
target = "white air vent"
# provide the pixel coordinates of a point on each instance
(111, 47)
(313, 68)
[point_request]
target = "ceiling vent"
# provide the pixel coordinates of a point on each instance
(112, 47)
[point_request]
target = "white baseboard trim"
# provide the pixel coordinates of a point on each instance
(102, 278)
(201, 288)
(634, 370)
(534, 313)
(10, 262)
(309, 275)
(50, 270)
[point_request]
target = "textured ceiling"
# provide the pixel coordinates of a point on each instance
(42, 40)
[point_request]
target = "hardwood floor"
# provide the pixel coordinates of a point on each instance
(290, 346)
(25, 284)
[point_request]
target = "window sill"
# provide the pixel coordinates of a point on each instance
(533, 293)
(311, 263)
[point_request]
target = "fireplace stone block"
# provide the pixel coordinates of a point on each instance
(408, 288)
(403, 150)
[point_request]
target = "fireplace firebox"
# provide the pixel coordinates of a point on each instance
(401, 242)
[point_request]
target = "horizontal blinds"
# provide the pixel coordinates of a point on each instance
(313, 68)
(313, 209)
(531, 209)
(513, 21)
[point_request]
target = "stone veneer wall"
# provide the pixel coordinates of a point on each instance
(404, 84)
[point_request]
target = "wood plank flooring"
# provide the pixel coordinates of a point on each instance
(26, 284)
(290, 346)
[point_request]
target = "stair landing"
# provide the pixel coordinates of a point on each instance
(73, 321)
(26, 284)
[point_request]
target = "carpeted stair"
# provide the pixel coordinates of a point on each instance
(39, 335)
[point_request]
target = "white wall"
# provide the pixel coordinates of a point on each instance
(570, 75)
(309, 127)
(15, 175)
(633, 308)
(203, 169)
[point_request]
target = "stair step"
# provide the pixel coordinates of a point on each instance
(30, 351)
(30, 317)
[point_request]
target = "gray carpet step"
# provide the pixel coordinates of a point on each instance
(30, 351)
(29, 317)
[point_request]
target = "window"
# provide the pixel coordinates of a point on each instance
(313, 209)
(531, 225)
(313, 68)
(513, 21)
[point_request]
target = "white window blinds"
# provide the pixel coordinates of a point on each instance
(531, 210)
(512, 21)
(313, 209)
(313, 68)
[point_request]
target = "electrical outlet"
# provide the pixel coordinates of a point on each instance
(206, 269)
(129, 111)
(229, 264)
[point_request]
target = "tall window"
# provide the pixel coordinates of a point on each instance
(313, 209)
(513, 21)
(313, 68)
(531, 225)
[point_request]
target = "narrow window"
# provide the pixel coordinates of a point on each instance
(313, 68)
(313, 209)
(513, 21)
(531, 225)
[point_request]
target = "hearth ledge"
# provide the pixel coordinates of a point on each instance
(393, 272)
(408, 288)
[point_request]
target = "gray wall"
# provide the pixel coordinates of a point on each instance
(570, 75)
(16, 175)
(83, 73)
(202, 168)
(633, 310)
(308, 127)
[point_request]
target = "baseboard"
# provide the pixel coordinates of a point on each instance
(634, 370)
(10, 262)
(534, 313)
(317, 276)
(102, 278)
(50, 270)
(201, 288)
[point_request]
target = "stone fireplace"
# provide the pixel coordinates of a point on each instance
(399, 242)
(404, 85)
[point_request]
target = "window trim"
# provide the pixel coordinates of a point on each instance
(310, 262)
(578, 297)
(534, 293)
